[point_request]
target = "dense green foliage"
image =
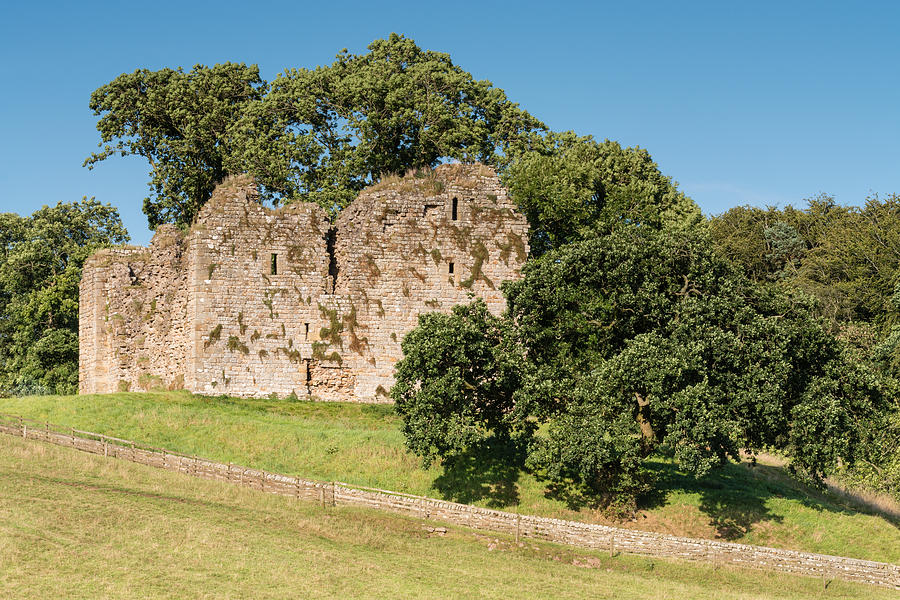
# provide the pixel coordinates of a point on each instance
(324, 134)
(570, 186)
(455, 386)
(181, 123)
(848, 259)
(319, 135)
(40, 269)
(639, 341)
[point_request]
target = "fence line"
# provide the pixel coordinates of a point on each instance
(585, 535)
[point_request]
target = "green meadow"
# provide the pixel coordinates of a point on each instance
(76, 525)
(361, 444)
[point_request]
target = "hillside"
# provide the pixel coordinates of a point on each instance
(361, 444)
(62, 535)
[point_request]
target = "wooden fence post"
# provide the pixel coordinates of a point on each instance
(24, 430)
(297, 487)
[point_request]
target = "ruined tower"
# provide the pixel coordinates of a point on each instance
(254, 301)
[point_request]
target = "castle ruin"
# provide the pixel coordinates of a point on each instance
(255, 301)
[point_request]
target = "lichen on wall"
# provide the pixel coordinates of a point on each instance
(254, 301)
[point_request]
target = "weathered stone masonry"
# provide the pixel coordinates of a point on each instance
(254, 301)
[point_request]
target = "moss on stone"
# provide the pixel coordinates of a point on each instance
(371, 268)
(148, 382)
(333, 331)
(214, 335)
(234, 344)
(480, 254)
(514, 243)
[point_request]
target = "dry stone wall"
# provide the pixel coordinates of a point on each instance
(254, 301)
(585, 535)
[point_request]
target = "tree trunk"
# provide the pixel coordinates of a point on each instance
(648, 436)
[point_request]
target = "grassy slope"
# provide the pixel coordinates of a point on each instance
(76, 525)
(361, 444)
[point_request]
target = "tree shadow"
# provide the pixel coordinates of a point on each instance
(488, 472)
(736, 497)
(732, 497)
(573, 496)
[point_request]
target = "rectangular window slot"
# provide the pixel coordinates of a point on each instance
(306, 332)
(451, 269)
(274, 264)
(454, 213)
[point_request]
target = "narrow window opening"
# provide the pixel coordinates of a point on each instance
(306, 332)
(451, 269)
(308, 376)
(274, 265)
(454, 213)
(331, 281)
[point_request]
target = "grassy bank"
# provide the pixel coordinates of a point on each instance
(76, 525)
(361, 444)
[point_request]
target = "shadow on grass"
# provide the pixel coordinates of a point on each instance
(486, 473)
(573, 496)
(736, 497)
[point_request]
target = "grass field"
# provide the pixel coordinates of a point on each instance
(361, 444)
(75, 525)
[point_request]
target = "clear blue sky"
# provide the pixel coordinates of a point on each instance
(740, 102)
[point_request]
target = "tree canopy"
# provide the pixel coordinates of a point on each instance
(40, 268)
(181, 122)
(644, 341)
(847, 257)
(570, 187)
(456, 382)
(317, 135)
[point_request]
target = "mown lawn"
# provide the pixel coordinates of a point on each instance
(75, 525)
(361, 444)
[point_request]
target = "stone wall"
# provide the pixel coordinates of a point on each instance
(133, 327)
(574, 533)
(255, 301)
